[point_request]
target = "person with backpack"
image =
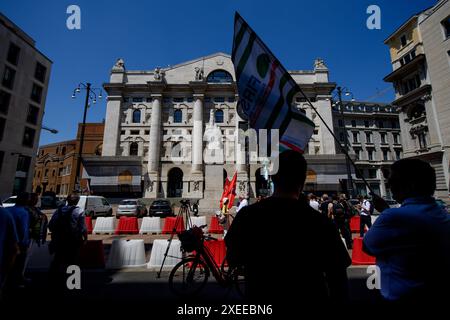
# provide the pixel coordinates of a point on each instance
(69, 233)
(342, 214)
(38, 221)
(365, 214)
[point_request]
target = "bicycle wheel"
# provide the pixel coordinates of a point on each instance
(188, 277)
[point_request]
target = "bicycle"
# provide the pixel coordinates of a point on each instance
(190, 275)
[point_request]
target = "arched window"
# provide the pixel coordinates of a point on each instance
(178, 116)
(136, 116)
(134, 147)
(218, 116)
(219, 76)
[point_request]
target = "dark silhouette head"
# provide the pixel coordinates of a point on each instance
(291, 173)
(411, 178)
(22, 199)
(33, 200)
(72, 199)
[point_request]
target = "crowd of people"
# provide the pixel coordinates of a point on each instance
(338, 209)
(24, 225)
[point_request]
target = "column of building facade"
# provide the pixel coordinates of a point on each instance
(197, 146)
(112, 126)
(197, 134)
(154, 157)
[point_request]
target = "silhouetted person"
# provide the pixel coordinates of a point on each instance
(289, 252)
(9, 247)
(340, 214)
(324, 205)
(69, 232)
(365, 218)
(21, 218)
(412, 243)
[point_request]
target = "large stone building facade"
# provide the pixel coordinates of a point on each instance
(420, 57)
(373, 133)
(25, 73)
(161, 123)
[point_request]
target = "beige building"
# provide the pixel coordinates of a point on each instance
(420, 57)
(373, 133)
(25, 73)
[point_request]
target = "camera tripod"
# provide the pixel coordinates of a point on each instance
(184, 215)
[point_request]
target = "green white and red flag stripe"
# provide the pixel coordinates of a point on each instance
(266, 89)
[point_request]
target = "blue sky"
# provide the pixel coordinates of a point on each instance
(160, 33)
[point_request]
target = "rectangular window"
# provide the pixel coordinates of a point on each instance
(372, 173)
(36, 93)
(422, 140)
(190, 99)
(122, 131)
(358, 154)
(403, 40)
(134, 132)
(138, 99)
(126, 99)
(446, 26)
(395, 136)
(353, 123)
(341, 123)
(366, 123)
(398, 154)
(315, 131)
(385, 154)
(355, 137)
(380, 124)
(40, 72)
(149, 99)
(369, 137)
(383, 137)
(147, 132)
(13, 54)
(8, 77)
(207, 99)
(231, 99)
(2, 127)
(5, 98)
(23, 163)
(178, 100)
(28, 137)
(33, 114)
(370, 154)
(394, 124)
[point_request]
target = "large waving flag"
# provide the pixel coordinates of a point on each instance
(266, 89)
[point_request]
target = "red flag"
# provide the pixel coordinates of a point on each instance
(225, 191)
(231, 194)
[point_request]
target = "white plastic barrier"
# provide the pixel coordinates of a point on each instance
(198, 221)
(159, 249)
(126, 253)
(104, 225)
(150, 225)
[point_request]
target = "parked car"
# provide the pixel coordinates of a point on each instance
(131, 207)
(10, 202)
(95, 206)
(161, 208)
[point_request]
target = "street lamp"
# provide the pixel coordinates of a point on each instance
(340, 105)
(91, 94)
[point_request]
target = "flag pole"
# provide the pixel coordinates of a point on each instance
(342, 149)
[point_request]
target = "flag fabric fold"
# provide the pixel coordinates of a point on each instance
(266, 89)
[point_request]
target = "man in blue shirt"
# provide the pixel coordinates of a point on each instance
(412, 243)
(21, 218)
